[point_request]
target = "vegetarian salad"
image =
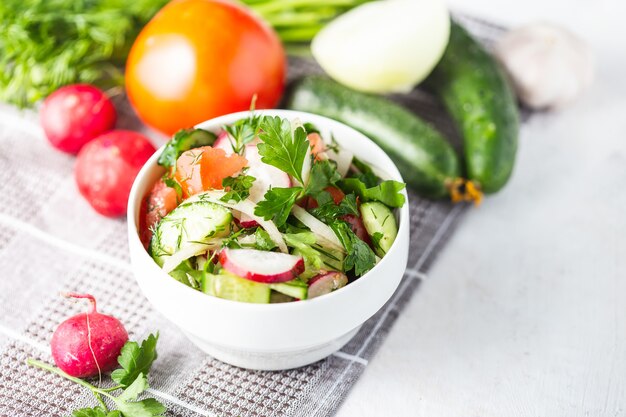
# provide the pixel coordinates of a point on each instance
(267, 211)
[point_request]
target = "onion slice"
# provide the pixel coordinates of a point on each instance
(186, 252)
(316, 226)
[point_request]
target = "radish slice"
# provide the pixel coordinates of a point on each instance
(245, 207)
(247, 222)
(223, 142)
(186, 252)
(265, 175)
(261, 266)
(316, 226)
(326, 283)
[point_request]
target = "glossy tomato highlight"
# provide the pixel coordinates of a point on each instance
(199, 59)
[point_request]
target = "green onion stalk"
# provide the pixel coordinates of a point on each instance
(298, 21)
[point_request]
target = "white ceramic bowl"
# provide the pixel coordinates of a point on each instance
(272, 336)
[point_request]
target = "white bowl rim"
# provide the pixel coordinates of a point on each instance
(134, 200)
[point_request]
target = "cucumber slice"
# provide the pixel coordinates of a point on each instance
(278, 297)
(189, 224)
(380, 224)
(295, 288)
(232, 287)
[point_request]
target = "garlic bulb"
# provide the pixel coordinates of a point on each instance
(549, 66)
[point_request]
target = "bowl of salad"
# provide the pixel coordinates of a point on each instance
(269, 237)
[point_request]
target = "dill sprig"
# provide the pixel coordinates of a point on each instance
(45, 44)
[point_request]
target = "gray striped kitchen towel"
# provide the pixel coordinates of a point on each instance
(50, 240)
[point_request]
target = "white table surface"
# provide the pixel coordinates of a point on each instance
(524, 313)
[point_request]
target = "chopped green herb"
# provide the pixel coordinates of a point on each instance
(243, 131)
(277, 204)
(360, 256)
(323, 174)
(329, 211)
(238, 188)
(283, 148)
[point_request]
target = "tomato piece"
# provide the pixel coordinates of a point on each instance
(310, 203)
(157, 203)
(204, 168)
(199, 59)
(317, 143)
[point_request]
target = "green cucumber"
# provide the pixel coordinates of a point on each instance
(427, 162)
(190, 223)
(295, 288)
(380, 224)
(278, 297)
(475, 91)
(232, 287)
(182, 141)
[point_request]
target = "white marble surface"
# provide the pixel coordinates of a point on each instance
(524, 313)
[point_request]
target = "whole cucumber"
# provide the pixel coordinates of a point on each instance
(426, 161)
(476, 93)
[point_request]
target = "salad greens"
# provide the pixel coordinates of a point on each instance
(294, 218)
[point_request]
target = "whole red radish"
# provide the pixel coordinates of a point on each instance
(107, 166)
(88, 344)
(74, 115)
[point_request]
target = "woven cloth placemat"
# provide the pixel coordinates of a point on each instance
(52, 241)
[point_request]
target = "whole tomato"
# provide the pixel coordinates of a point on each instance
(198, 59)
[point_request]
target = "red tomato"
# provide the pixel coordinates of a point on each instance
(107, 166)
(205, 168)
(317, 143)
(198, 59)
(74, 115)
(159, 201)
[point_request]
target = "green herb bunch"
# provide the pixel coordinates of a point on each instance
(45, 44)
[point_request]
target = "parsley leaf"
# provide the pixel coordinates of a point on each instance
(366, 174)
(135, 360)
(387, 192)
(243, 131)
(238, 188)
(360, 256)
(282, 148)
(329, 211)
(263, 240)
(323, 174)
(277, 204)
(94, 412)
(182, 141)
(129, 407)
